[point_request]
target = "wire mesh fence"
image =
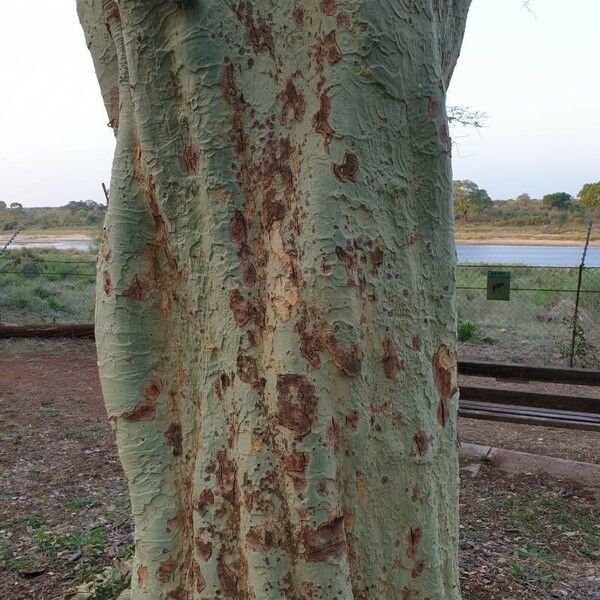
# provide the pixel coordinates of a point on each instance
(535, 326)
(45, 287)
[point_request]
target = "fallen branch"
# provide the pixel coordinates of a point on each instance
(54, 330)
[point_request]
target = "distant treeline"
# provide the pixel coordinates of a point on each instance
(85, 213)
(473, 205)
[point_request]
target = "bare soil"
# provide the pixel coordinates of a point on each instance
(64, 510)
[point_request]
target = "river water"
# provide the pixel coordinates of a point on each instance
(504, 254)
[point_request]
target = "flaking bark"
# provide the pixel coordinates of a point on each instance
(275, 316)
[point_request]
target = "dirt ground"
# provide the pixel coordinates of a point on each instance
(64, 510)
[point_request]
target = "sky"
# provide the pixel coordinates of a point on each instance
(533, 72)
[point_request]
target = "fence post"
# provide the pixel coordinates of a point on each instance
(10, 241)
(576, 315)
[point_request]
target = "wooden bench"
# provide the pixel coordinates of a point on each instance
(532, 408)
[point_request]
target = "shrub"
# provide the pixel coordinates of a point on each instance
(467, 330)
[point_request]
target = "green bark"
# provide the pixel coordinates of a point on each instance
(275, 317)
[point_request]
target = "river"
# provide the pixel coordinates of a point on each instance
(504, 254)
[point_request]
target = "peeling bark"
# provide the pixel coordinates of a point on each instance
(275, 315)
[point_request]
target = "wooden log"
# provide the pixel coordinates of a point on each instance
(532, 399)
(488, 412)
(51, 330)
(514, 372)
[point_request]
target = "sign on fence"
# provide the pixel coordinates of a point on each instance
(498, 285)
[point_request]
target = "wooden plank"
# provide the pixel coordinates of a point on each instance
(527, 420)
(533, 412)
(53, 330)
(582, 404)
(524, 373)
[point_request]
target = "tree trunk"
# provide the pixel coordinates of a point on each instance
(275, 317)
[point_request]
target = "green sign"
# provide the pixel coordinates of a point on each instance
(498, 285)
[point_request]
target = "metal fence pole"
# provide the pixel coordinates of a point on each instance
(576, 315)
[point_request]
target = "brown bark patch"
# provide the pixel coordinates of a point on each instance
(142, 574)
(379, 408)
(227, 578)
(414, 537)
(271, 211)
(142, 412)
(442, 413)
(295, 465)
(157, 218)
(347, 258)
(176, 594)
(328, 7)
(165, 570)
(352, 420)
(200, 581)
(421, 442)
(310, 344)
(189, 158)
(444, 372)
(260, 538)
(445, 380)
(106, 283)
(115, 108)
(417, 570)
(416, 342)
(433, 107)
(332, 435)
(225, 475)
(248, 371)
(204, 501)
(343, 21)
(389, 362)
(294, 100)
(153, 389)
(347, 361)
(137, 162)
(296, 403)
(203, 549)
(227, 82)
(328, 50)
(243, 310)
(444, 135)
(138, 290)
(321, 119)
(348, 170)
(146, 409)
(238, 234)
(173, 437)
(327, 541)
(257, 32)
(376, 260)
(298, 16)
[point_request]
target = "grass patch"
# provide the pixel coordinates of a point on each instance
(51, 543)
(74, 434)
(12, 565)
(533, 574)
(79, 503)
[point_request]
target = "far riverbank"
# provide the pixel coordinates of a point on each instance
(61, 237)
